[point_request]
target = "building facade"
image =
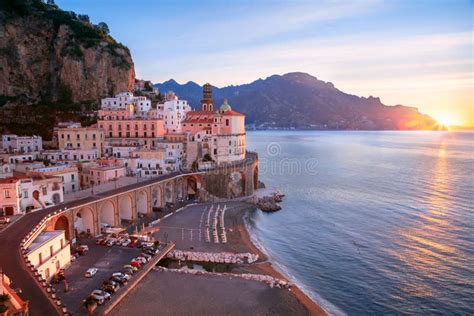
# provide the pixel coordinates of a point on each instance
(22, 144)
(172, 112)
(122, 100)
(214, 136)
(81, 138)
(49, 253)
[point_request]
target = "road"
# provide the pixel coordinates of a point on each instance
(12, 263)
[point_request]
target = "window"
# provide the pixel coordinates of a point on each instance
(40, 258)
(227, 122)
(51, 252)
(7, 194)
(45, 190)
(25, 193)
(46, 272)
(58, 265)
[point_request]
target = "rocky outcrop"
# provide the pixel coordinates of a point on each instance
(267, 199)
(50, 56)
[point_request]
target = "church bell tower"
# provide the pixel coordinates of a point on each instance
(206, 102)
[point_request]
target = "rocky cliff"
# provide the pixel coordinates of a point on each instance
(48, 55)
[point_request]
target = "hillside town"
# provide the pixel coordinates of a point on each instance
(110, 184)
(132, 140)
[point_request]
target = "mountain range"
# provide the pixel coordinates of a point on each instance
(299, 100)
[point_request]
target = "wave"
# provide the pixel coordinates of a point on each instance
(327, 306)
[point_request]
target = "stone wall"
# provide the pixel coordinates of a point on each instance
(233, 180)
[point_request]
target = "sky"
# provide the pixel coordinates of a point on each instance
(416, 53)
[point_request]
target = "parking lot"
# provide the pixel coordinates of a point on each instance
(106, 259)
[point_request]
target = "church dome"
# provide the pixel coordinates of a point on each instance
(225, 106)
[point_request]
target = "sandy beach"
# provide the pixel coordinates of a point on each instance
(175, 293)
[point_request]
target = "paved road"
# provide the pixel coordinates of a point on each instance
(12, 264)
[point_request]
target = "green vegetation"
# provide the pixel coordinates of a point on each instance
(39, 119)
(85, 33)
(207, 157)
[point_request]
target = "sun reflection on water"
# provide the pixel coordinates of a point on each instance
(426, 244)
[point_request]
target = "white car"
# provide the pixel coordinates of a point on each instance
(141, 259)
(121, 275)
(111, 242)
(126, 243)
(91, 272)
(101, 296)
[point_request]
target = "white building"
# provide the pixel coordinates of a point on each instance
(6, 170)
(37, 193)
(173, 111)
(22, 194)
(22, 144)
(49, 253)
(121, 100)
(18, 158)
(68, 174)
(71, 155)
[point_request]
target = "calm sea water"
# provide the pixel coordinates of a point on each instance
(372, 222)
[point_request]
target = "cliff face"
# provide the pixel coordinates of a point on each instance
(48, 55)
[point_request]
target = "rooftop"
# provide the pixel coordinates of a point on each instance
(43, 238)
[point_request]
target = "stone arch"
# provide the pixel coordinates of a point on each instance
(169, 192)
(255, 178)
(62, 223)
(157, 197)
(243, 182)
(84, 221)
(191, 187)
(107, 213)
(142, 202)
(126, 207)
(179, 188)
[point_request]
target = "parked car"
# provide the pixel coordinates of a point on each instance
(111, 242)
(82, 250)
(99, 241)
(141, 259)
(121, 275)
(126, 243)
(4, 220)
(145, 255)
(135, 263)
(101, 295)
(128, 266)
(110, 286)
(133, 243)
(119, 280)
(91, 272)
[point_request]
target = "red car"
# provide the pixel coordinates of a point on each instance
(136, 264)
(133, 243)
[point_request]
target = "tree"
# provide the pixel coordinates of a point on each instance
(50, 2)
(84, 18)
(104, 27)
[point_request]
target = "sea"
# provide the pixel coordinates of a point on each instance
(372, 223)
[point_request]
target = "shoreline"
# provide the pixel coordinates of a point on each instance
(265, 266)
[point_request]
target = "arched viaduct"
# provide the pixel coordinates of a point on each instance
(117, 208)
